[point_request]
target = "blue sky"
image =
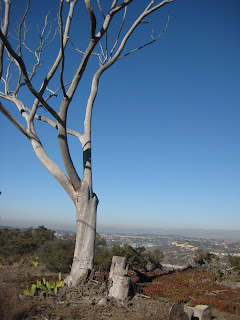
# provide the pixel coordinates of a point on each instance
(165, 128)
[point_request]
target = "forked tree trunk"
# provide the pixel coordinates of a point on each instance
(86, 209)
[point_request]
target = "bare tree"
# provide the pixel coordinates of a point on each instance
(17, 74)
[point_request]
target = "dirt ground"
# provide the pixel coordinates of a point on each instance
(81, 302)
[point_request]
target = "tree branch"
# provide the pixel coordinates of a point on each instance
(61, 47)
(100, 8)
(76, 79)
(54, 125)
(42, 43)
(147, 44)
(114, 4)
(144, 14)
(61, 120)
(54, 93)
(20, 28)
(58, 59)
(82, 52)
(91, 17)
(158, 5)
(95, 81)
(25, 76)
(4, 30)
(8, 77)
(52, 167)
(119, 32)
(106, 37)
(110, 15)
(14, 121)
(91, 46)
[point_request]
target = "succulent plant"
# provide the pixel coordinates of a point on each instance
(44, 285)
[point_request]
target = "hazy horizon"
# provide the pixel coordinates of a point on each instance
(192, 232)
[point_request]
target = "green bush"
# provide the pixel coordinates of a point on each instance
(100, 244)
(15, 244)
(135, 256)
(42, 235)
(234, 262)
(103, 260)
(138, 258)
(57, 255)
(25, 246)
(211, 263)
(201, 257)
(153, 259)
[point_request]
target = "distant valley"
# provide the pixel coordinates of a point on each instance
(178, 250)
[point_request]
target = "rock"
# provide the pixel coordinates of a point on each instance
(102, 302)
(202, 312)
(179, 312)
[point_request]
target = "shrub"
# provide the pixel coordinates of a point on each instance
(138, 258)
(57, 255)
(16, 244)
(100, 244)
(42, 235)
(201, 257)
(102, 260)
(153, 260)
(234, 262)
(210, 262)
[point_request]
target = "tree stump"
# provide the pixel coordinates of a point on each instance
(202, 312)
(178, 312)
(118, 278)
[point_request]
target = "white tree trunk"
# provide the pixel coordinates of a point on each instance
(86, 207)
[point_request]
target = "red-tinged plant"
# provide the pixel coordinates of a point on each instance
(194, 287)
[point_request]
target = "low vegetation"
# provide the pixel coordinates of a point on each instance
(22, 246)
(41, 246)
(138, 258)
(205, 283)
(193, 286)
(42, 284)
(218, 270)
(235, 263)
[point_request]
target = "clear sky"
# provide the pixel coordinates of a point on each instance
(166, 128)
